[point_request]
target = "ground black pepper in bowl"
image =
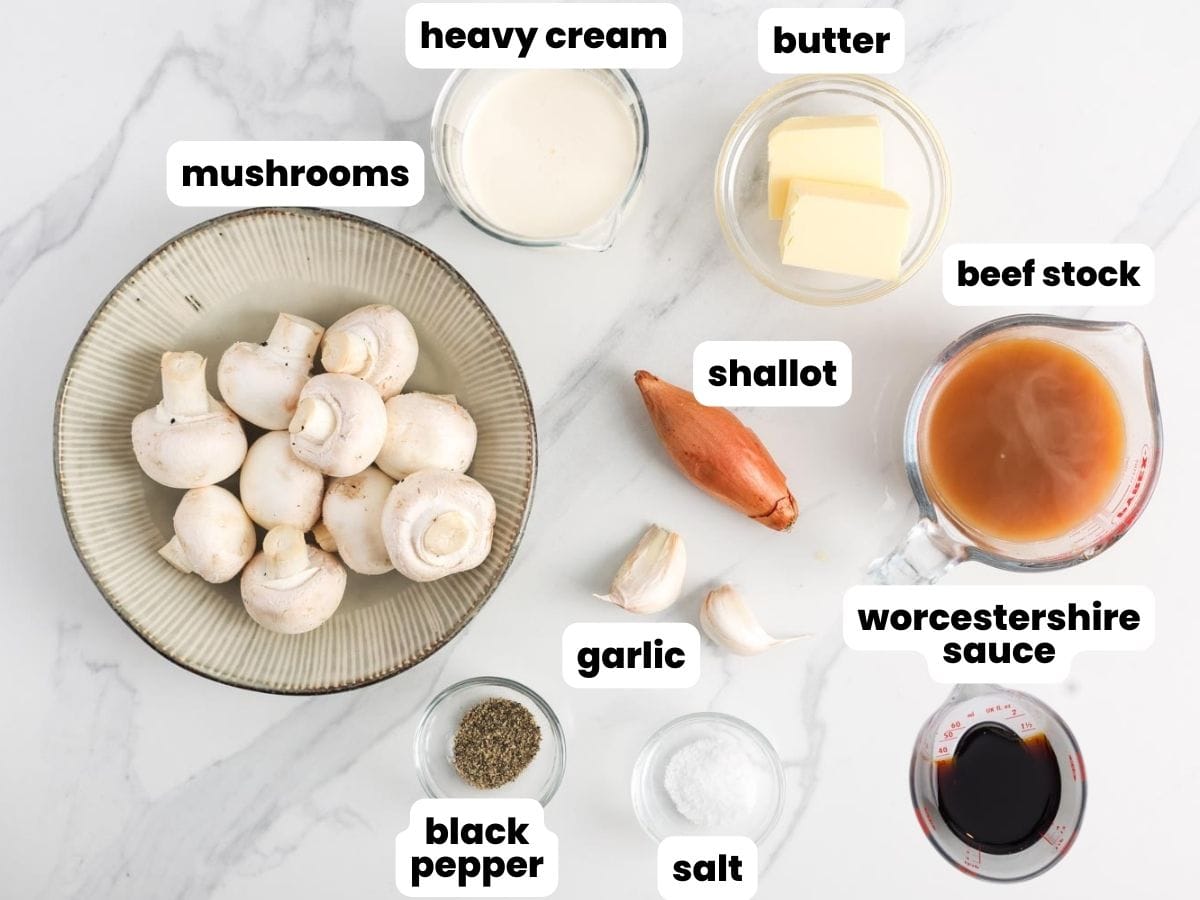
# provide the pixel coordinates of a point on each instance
(496, 740)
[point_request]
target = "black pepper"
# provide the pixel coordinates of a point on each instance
(495, 742)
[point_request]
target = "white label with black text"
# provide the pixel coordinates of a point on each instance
(983, 634)
(477, 848)
(631, 655)
(802, 41)
(295, 173)
(771, 373)
(1048, 274)
(543, 35)
(701, 867)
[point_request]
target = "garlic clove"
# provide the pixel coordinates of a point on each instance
(727, 619)
(651, 578)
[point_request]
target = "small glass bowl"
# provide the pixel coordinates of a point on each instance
(433, 745)
(915, 166)
(453, 109)
(656, 810)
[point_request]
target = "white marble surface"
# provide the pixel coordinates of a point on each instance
(124, 776)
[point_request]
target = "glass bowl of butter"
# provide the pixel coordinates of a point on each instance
(832, 189)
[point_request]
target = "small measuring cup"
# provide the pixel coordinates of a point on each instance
(937, 543)
(451, 112)
(966, 707)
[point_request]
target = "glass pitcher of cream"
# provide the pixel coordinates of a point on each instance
(541, 157)
(1032, 442)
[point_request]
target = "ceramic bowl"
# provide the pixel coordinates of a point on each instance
(226, 280)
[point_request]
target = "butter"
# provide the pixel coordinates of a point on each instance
(852, 229)
(822, 148)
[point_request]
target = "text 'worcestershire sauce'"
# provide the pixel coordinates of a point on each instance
(999, 793)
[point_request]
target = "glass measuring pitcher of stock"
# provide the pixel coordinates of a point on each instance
(969, 710)
(1116, 355)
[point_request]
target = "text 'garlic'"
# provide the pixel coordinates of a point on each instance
(728, 620)
(651, 578)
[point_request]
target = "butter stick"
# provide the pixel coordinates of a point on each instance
(847, 149)
(847, 228)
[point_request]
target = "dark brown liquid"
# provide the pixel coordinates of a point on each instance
(999, 793)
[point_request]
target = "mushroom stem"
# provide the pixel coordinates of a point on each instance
(314, 419)
(345, 352)
(185, 392)
(294, 336)
(174, 554)
(324, 537)
(286, 552)
(447, 534)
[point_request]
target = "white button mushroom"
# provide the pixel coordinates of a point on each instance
(213, 535)
(436, 523)
(376, 343)
(340, 424)
(352, 521)
(291, 587)
(277, 488)
(263, 381)
(426, 431)
(189, 439)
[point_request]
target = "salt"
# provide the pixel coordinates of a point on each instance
(712, 782)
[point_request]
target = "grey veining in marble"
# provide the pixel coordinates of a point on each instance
(126, 776)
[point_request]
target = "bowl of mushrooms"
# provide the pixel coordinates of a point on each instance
(294, 450)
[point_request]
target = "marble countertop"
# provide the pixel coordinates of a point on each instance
(125, 776)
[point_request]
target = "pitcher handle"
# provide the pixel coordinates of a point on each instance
(925, 555)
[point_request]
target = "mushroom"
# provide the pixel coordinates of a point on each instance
(291, 587)
(262, 381)
(277, 488)
(351, 521)
(376, 343)
(339, 425)
(213, 535)
(190, 439)
(426, 431)
(436, 523)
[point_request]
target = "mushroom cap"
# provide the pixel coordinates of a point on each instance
(297, 603)
(426, 431)
(437, 523)
(214, 532)
(277, 488)
(353, 514)
(358, 424)
(390, 344)
(188, 451)
(262, 385)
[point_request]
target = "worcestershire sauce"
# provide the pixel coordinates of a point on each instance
(999, 793)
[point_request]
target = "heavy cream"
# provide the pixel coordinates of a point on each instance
(549, 153)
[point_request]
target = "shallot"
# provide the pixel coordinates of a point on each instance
(718, 454)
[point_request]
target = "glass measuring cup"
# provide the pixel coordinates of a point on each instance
(938, 542)
(459, 97)
(967, 707)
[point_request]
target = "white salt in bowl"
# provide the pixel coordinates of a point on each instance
(656, 810)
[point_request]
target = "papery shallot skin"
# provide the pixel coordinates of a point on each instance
(718, 454)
